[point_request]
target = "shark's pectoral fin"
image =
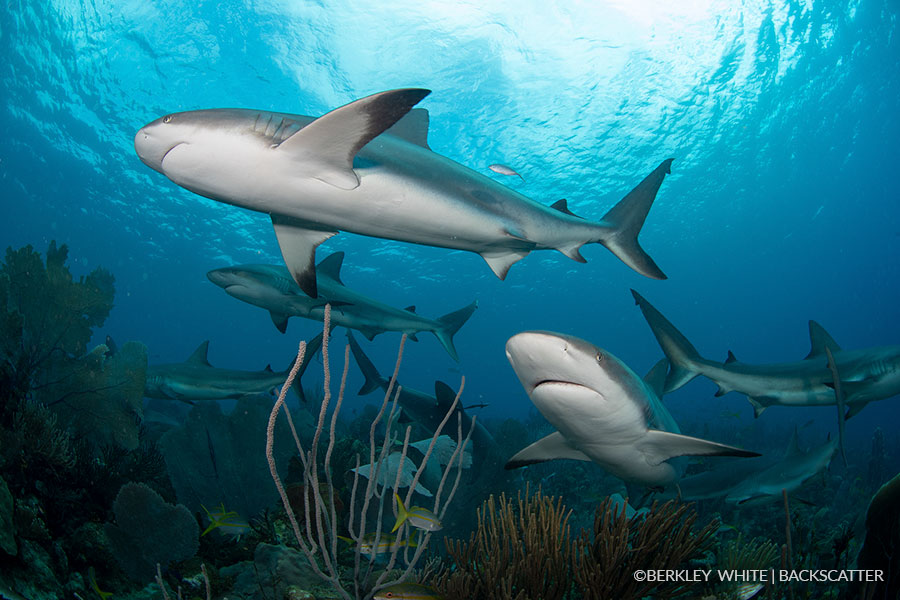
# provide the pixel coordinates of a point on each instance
(326, 147)
(552, 447)
(280, 321)
(501, 261)
(298, 246)
(854, 409)
(659, 446)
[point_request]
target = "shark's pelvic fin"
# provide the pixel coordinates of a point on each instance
(298, 246)
(819, 339)
(326, 147)
(280, 321)
(450, 324)
(501, 261)
(552, 447)
(199, 356)
(659, 446)
(626, 219)
(413, 127)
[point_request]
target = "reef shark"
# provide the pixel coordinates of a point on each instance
(865, 375)
(196, 379)
(425, 409)
(599, 409)
(272, 288)
(366, 168)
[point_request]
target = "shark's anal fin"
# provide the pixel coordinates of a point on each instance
(326, 147)
(298, 245)
(659, 446)
(839, 399)
(552, 447)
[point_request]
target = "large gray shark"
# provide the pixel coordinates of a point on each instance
(599, 409)
(865, 375)
(366, 168)
(196, 379)
(272, 288)
(420, 407)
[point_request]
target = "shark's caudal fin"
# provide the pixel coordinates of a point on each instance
(682, 355)
(626, 218)
(374, 380)
(450, 324)
(312, 348)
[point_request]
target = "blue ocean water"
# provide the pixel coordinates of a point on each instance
(782, 117)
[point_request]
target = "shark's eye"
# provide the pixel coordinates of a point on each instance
(167, 118)
(599, 357)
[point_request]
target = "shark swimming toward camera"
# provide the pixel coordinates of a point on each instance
(865, 375)
(599, 409)
(366, 168)
(272, 288)
(196, 379)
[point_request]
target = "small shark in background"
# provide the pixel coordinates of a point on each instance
(366, 168)
(756, 479)
(272, 288)
(788, 474)
(599, 409)
(196, 379)
(426, 410)
(865, 375)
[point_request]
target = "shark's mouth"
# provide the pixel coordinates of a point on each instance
(554, 382)
(163, 159)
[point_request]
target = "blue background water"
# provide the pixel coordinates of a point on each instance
(782, 117)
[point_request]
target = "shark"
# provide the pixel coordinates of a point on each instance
(599, 408)
(425, 409)
(866, 375)
(196, 379)
(271, 287)
(366, 168)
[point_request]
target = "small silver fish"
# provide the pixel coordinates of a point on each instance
(504, 170)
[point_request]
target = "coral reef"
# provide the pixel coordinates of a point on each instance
(881, 549)
(148, 531)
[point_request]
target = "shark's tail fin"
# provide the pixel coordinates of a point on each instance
(312, 348)
(624, 221)
(682, 355)
(374, 380)
(450, 324)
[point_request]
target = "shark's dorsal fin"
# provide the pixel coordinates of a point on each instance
(563, 207)
(444, 395)
(552, 447)
(793, 448)
(326, 147)
(656, 377)
(731, 358)
(818, 339)
(411, 309)
(298, 248)
(280, 321)
(200, 354)
(413, 127)
(268, 369)
(331, 266)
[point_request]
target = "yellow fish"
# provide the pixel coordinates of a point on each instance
(408, 591)
(418, 517)
(227, 522)
(386, 543)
